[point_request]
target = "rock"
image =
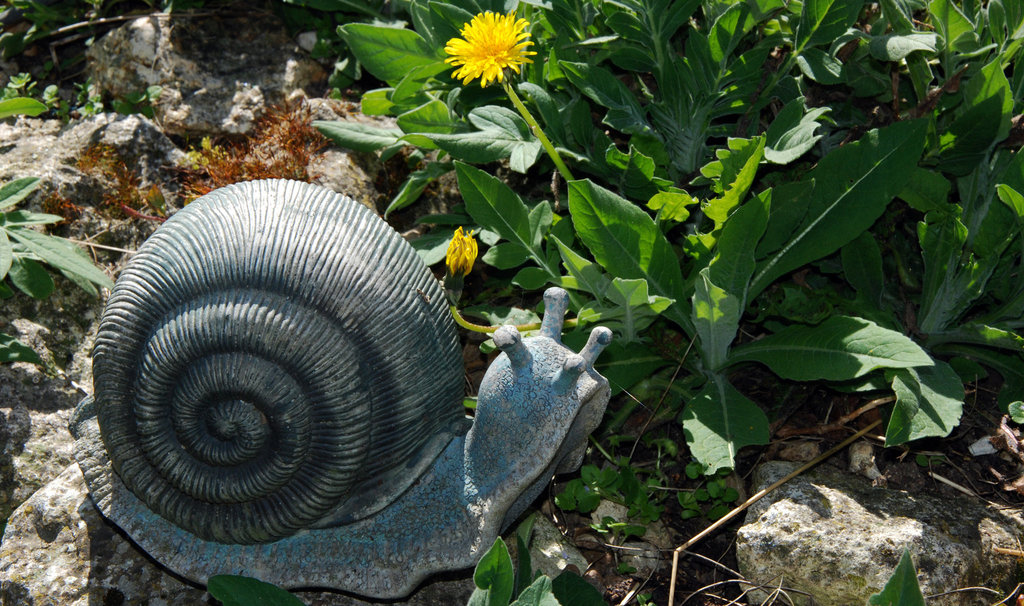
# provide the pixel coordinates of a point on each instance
(551, 552)
(57, 549)
(217, 74)
(838, 538)
(35, 404)
(656, 534)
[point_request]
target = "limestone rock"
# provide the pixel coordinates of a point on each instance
(551, 552)
(838, 538)
(58, 550)
(218, 75)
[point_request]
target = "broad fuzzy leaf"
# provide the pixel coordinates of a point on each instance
(502, 134)
(719, 421)
(626, 242)
(791, 134)
(61, 255)
(929, 402)
(853, 185)
(356, 136)
(839, 349)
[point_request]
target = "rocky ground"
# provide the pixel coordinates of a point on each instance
(832, 536)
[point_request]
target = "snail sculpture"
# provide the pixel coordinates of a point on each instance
(278, 393)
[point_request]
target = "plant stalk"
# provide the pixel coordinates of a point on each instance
(537, 131)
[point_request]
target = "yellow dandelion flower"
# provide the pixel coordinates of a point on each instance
(461, 253)
(489, 43)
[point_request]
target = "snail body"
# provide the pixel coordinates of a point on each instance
(278, 393)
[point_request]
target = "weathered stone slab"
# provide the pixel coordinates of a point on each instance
(837, 538)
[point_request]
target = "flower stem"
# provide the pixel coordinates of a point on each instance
(537, 131)
(463, 322)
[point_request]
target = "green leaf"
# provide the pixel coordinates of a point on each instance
(929, 402)
(356, 136)
(20, 106)
(624, 111)
(389, 53)
(234, 590)
(414, 185)
(902, 588)
(952, 24)
(506, 255)
(791, 134)
(626, 242)
(495, 206)
(895, 47)
(671, 206)
(30, 278)
(822, 21)
(62, 255)
(1016, 411)
(431, 117)
(732, 175)
(853, 185)
(899, 15)
(965, 145)
(494, 577)
(991, 82)
(537, 594)
(927, 190)
(862, 266)
(716, 316)
(734, 263)
(24, 217)
(588, 276)
(15, 191)
(502, 134)
(632, 308)
(573, 590)
(13, 350)
(719, 421)
(838, 349)
(6, 254)
(820, 66)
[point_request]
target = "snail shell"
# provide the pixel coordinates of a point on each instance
(274, 358)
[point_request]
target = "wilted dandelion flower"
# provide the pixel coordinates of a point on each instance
(489, 43)
(461, 253)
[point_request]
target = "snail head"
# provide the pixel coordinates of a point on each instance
(543, 393)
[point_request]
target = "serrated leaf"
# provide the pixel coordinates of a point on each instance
(13, 350)
(853, 185)
(627, 243)
(719, 421)
(733, 174)
(15, 191)
(791, 134)
(672, 206)
(624, 111)
(494, 577)
(234, 590)
(389, 53)
(838, 349)
(902, 588)
(356, 136)
(929, 402)
(61, 255)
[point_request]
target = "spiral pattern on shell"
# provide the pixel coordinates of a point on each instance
(273, 349)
